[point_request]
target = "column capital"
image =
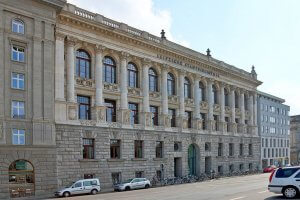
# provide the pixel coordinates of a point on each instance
(222, 84)
(124, 55)
(196, 77)
(165, 67)
(99, 48)
(71, 41)
(233, 88)
(182, 72)
(146, 61)
(210, 80)
(60, 36)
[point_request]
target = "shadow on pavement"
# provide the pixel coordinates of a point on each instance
(279, 197)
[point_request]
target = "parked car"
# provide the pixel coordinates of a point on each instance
(286, 181)
(269, 169)
(85, 186)
(136, 183)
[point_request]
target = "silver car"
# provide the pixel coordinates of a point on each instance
(136, 183)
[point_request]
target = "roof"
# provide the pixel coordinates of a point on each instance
(270, 96)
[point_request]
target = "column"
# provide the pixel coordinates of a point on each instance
(123, 81)
(232, 104)
(242, 107)
(210, 100)
(181, 93)
(164, 92)
(70, 70)
(146, 86)
(250, 102)
(59, 67)
(98, 75)
(222, 103)
(255, 109)
(196, 98)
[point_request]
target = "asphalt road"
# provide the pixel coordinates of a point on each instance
(252, 187)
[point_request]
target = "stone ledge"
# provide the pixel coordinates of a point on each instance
(160, 159)
(231, 156)
(139, 159)
(115, 160)
(88, 160)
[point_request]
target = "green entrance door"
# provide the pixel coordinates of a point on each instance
(192, 159)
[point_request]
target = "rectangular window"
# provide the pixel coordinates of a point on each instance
(154, 111)
(84, 108)
(241, 167)
(138, 149)
(158, 175)
(116, 177)
(231, 149)
(110, 110)
(139, 174)
(220, 149)
(134, 113)
(88, 176)
(250, 149)
(115, 149)
(188, 114)
(17, 54)
(231, 168)
(88, 148)
(241, 149)
(177, 146)
(17, 81)
(262, 142)
(18, 109)
(265, 153)
(172, 113)
(285, 172)
(203, 117)
(220, 169)
(227, 122)
(216, 122)
(159, 149)
(18, 137)
(207, 146)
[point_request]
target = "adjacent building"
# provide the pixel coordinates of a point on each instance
(295, 139)
(85, 96)
(274, 130)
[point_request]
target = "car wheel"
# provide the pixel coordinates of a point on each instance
(147, 186)
(127, 188)
(93, 192)
(290, 192)
(66, 194)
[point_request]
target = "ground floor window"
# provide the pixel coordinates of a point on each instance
(87, 176)
(139, 174)
(21, 179)
(116, 177)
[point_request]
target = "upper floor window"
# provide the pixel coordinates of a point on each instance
(153, 80)
(132, 75)
(202, 91)
(187, 88)
(236, 99)
(83, 64)
(115, 149)
(171, 84)
(220, 149)
(154, 111)
(109, 70)
(172, 113)
(18, 109)
(226, 96)
(159, 149)
(110, 110)
(84, 110)
(88, 148)
(17, 26)
(138, 149)
(18, 137)
(18, 54)
(133, 107)
(189, 118)
(17, 81)
(215, 94)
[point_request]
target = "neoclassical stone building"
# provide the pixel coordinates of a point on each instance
(86, 96)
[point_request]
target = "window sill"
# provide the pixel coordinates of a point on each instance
(115, 160)
(88, 160)
(231, 156)
(220, 157)
(139, 159)
(159, 159)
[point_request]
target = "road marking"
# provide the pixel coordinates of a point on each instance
(263, 191)
(237, 198)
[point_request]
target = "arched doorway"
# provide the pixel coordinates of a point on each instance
(193, 159)
(21, 179)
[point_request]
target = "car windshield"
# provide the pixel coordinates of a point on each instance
(127, 181)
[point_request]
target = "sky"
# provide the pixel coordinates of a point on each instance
(242, 33)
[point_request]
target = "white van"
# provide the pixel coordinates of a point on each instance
(85, 186)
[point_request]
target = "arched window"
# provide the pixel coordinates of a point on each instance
(226, 97)
(109, 70)
(132, 75)
(17, 26)
(83, 64)
(171, 84)
(236, 99)
(153, 80)
(187, 88)
(21, 179)
(202, 91)
(215, 94)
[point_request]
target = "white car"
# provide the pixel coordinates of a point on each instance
(286, 181)
(136, 183)
(85, 186)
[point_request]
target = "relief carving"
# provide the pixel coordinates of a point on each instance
(111, 87)
(203, 105)
(134, 91)
(84, 82)
(72, 112)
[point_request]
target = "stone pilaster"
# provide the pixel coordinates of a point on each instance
(165, 120)
(59, 67)
(181, 94)
(196, 99)
(242, 106)
(210, 101)
(123, 81)
(255, 109)
(70, 70)
(124, 116)
(98, 75)
(222, 108)
(197, 123)
(145, 79)
(250, 102)
(164, 92)
(99, 113)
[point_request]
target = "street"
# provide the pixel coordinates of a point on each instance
(252, 187)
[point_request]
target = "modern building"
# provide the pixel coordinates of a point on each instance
(295, 139)
(274, 130)
(85, 96)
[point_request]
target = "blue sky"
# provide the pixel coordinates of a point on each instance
(242, 33)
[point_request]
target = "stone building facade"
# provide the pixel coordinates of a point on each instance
(86, 96)
(274, 130)
(295, 139)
